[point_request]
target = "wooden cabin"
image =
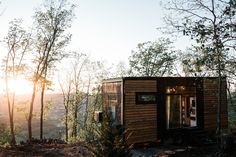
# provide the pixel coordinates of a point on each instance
(150, 107)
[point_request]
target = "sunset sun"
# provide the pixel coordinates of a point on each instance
(20, 86)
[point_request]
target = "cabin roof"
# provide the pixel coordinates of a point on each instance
(154, 78)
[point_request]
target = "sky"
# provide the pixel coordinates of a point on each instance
(110, 29)
(107, 30)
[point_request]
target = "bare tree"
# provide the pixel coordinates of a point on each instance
(78, 67)
(66, 88)
(17, 41)
(83, 75)
(2, 10)
(51, 22)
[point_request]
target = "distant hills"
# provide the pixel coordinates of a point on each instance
(53, 121)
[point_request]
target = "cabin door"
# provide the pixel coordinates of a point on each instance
(180, 111)
(173, 111)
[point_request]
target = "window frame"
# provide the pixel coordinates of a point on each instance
(139, 94)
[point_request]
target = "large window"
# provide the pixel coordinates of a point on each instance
(173, 112)
(114, 106)
(146, 98)
(181, 107)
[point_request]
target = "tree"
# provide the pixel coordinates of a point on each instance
(212, 25)
(79, 94)
(94, 104)
(152, 58)
(110, 141)
(92, 79)
(120, 70)
(5, 135)
(1, 11)
(66, 88)
(193, 64)
(51, 22)
(17, 42)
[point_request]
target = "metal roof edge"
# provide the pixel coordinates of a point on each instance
(112, 80)
(154, 78)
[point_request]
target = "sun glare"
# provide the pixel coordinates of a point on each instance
(20, 86)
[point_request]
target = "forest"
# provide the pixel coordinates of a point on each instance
(66, 85)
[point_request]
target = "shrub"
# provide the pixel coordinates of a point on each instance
(5, 136)
(110, 141)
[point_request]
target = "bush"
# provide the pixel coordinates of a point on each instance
(5, 136)
(110, 141)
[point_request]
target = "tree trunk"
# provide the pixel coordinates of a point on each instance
(75, 121)
(218, 52)
(218, 131)
(31, 113)
(44, 79)
(13, 142)
(86, 106)
(42, 110)
(66, 124)
(11, 112)
(13, 139)
(230, 96)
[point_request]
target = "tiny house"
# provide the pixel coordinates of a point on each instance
(150, 107)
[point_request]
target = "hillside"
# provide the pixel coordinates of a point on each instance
(53, 126)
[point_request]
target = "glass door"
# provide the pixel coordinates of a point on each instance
(181, 107)
(173, 111)
(193, 111)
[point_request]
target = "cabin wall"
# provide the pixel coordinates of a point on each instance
(112, 94)
(147, 122)
(210, 93)
(140, 120)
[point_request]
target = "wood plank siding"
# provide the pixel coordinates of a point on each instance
(210, 90)
(150, 122)
(140, 119)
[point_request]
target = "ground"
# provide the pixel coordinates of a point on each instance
(45, 150)
(80, 150)
(168, 151)
(184, 151)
